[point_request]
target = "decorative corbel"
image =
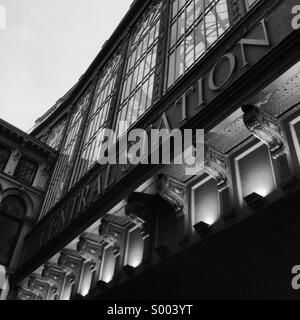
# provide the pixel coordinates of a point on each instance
(172, 191)
(56, 274)
(266, 128)
(90, 248)
(71, 262)
(140, 211)
(47, 287)
(112, 230)
(215, 165)
(29, 294)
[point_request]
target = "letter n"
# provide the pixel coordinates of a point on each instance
(255, 42)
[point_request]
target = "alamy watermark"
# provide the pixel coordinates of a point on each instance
(2, 17)
(296, 278)
(154, 146)
(296, 18)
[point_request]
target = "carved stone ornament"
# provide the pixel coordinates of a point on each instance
(215, 165)
(71, 261)
(29, 294)
(90, 247)
(47, 287)
(172, 191)
(54, 273)
(266, 128)
(140, 211)
(112, 230)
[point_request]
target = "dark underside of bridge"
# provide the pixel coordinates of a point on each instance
(250, 260)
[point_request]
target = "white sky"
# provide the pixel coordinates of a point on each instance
(45, 48)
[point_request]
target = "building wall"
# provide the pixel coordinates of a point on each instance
(250, 260)
(102, 224)
(25, 165)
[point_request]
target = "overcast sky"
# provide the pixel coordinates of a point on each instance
(45, 48)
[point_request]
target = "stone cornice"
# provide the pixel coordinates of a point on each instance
(27, 141)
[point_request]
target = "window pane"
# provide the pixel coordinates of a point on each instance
(138, 89)
(200, 42)
(179, 60)
(199, 25)
(171, 76)
(173, 34)
(63, 164)
(26, 170)
(189, 49)
(56, 134)
(97, 119)
(211, 27)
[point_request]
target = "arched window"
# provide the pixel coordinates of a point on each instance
(12, 213)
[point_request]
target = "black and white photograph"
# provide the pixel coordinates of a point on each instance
(149, 153)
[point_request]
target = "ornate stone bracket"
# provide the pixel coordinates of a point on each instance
(266, 128)
(112, 230)
(215, 165)
(140, 211)
(90, 248)
(29, 294)
(54, 273)
(71, 262)
(173, 191)
(46, 287)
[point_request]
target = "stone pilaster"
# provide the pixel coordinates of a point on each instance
(267, 129)
(55, 274)
(113, 230)
(140, 210)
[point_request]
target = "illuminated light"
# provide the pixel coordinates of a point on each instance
(108, 265)
(262, 191)
(210, 219)
(66, 294)
(255, 201)
(108, 277)
(135, 248)
(255, 172)
(136, 262)
(202, 227)
(206, 204)
(85, 290)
